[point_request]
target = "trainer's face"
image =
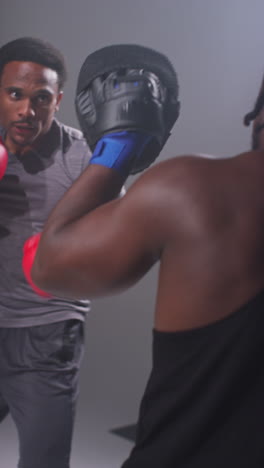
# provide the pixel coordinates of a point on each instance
(258, 132)
(29, 97)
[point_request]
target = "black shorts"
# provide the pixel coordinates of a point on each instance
(39, 370)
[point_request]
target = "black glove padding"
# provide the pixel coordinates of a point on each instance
(131, 88)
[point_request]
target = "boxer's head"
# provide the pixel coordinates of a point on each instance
(127, 87)
(257, 116)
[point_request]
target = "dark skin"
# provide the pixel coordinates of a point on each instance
(29, 98)
(202, 218)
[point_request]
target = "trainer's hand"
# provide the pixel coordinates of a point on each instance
(122, 151)
(29, 253)
(126, 104)
(3, 159)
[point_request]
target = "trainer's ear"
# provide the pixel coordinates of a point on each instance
(59, 98)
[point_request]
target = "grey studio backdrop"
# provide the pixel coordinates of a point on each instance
(216, 48)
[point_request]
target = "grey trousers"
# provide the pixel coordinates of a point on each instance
(39, 370)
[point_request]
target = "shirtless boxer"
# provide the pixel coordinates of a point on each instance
(202, 220)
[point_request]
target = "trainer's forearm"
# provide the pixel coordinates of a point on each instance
(96, 185)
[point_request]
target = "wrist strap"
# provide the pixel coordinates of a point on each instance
(120, 150)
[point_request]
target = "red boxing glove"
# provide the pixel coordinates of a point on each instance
(3, 158)
(29, 250)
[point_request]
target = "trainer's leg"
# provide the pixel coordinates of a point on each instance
(42, 395)
(4, 410)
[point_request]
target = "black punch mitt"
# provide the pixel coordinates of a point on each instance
(128, 87)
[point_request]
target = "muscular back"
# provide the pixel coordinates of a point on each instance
(202, 218)
(212, 260)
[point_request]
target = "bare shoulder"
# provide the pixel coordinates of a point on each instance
(170, 181)
(178, 169)
(183, 191)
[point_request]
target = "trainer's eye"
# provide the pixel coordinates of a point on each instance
(14, 94)
(43, 98)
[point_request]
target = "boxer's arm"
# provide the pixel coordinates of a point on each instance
(87, 254)
(102, 185)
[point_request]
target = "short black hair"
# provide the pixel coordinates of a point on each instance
(31, 49)
(259, 104)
